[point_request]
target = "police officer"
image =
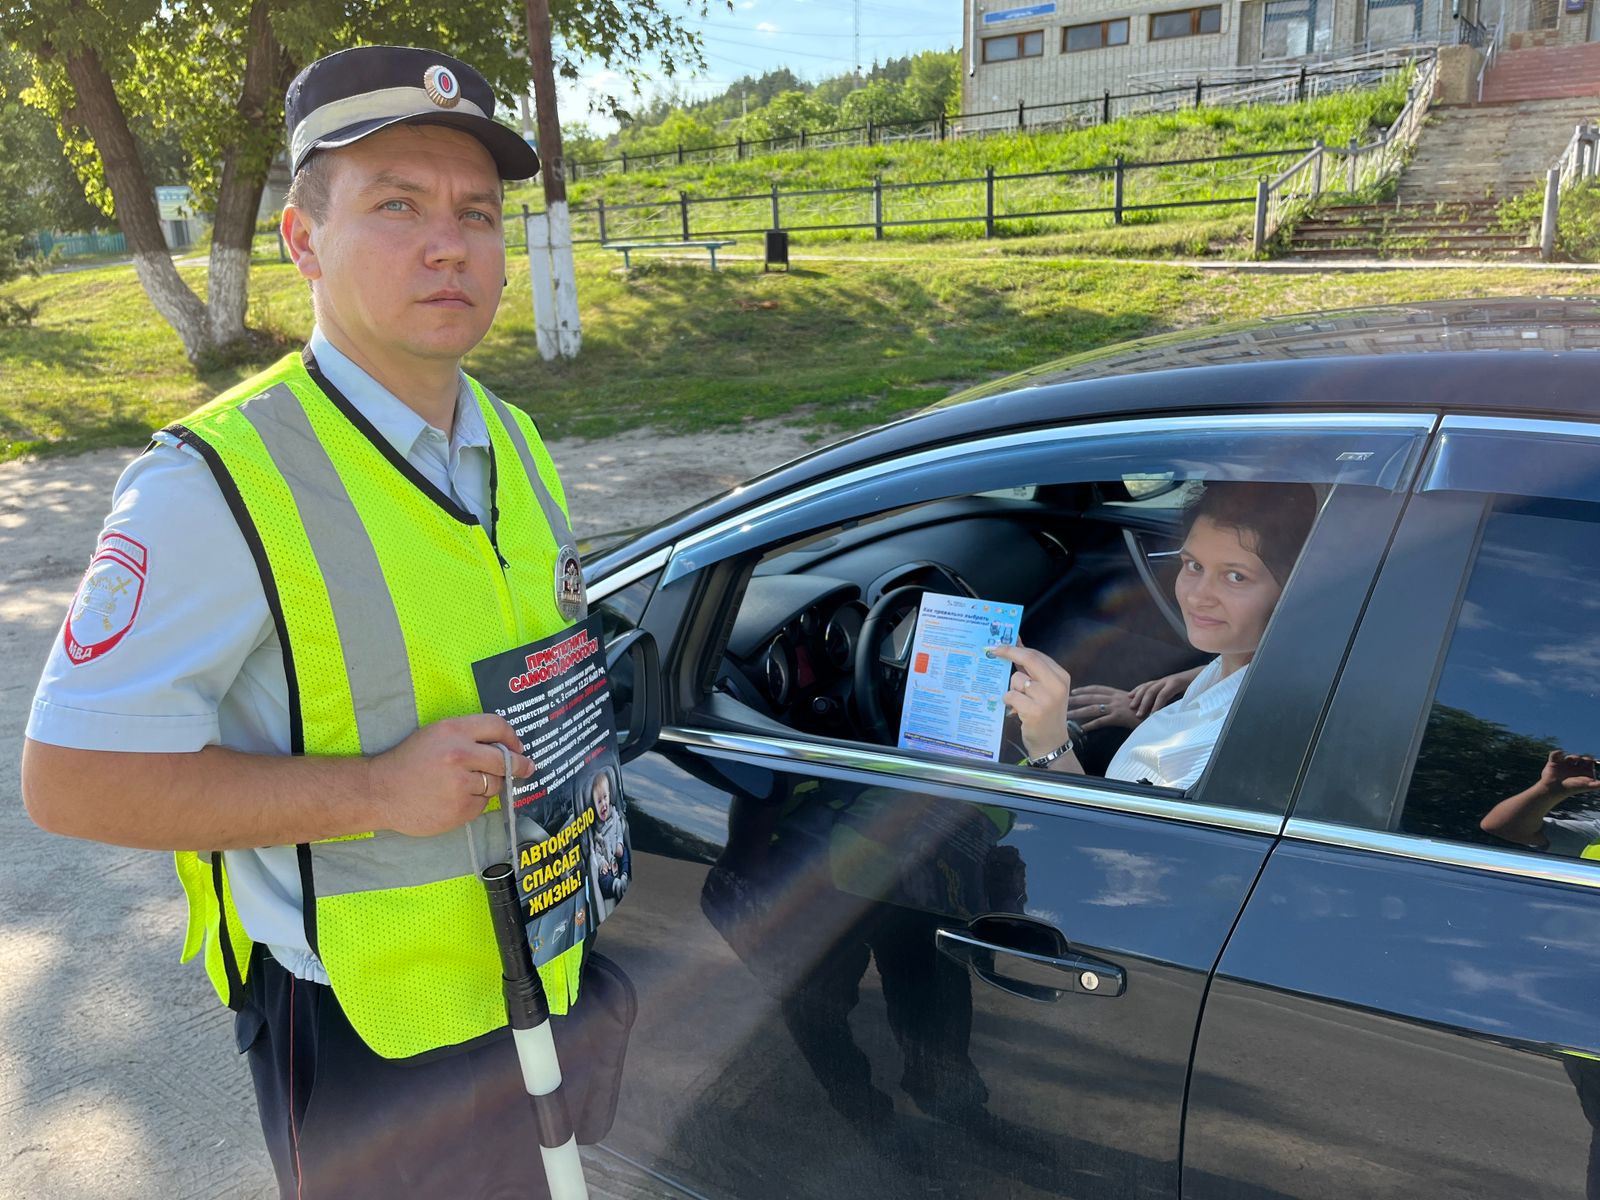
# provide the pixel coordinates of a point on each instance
(267, 666)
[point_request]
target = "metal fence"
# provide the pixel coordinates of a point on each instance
(76, 245)
(1225, 88)
(1119, 189)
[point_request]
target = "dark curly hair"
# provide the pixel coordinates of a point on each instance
(1271, 519)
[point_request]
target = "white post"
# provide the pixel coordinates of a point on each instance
(555, 283)
(1552, 213)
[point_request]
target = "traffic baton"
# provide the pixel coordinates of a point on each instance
(529, 1014)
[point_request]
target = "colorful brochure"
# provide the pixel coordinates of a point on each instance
(953, 701)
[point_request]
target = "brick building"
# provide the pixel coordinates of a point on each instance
(1058, 50)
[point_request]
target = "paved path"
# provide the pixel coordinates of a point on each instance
(118, 1078)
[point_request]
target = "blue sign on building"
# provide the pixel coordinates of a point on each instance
(1016, 14)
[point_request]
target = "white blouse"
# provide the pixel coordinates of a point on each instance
(1171, 746)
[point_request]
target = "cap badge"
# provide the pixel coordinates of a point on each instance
(569, 583)
(441, 86)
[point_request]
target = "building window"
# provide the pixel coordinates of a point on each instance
(1013, 45)
(1186, 22)
(1391, 21)
(1094, 37)
(1295, 27)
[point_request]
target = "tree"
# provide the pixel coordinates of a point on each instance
(581, 142)
(933, 85)
(880, 102)
(787, 116)
(46, 193)
(213, 72)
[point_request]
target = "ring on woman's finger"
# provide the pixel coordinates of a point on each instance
(1103, 710)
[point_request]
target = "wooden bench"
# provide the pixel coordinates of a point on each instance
(627, 247)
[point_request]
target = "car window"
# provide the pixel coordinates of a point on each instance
(1093, 562)
(1506, 757)
(621, 608)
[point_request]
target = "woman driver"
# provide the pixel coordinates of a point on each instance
(1240, 543)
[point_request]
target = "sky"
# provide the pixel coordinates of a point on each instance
(813, 38)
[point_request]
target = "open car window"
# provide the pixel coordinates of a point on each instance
(1091, 561)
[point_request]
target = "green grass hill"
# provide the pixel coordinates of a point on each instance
(1186, 134)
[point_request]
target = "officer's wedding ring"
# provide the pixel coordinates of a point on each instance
(486, 792)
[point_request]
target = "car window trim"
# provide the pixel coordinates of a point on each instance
(1426, 482)
(1524, 864)
(1367, 720)
(873, 763)
(630, 574)
(700, 549)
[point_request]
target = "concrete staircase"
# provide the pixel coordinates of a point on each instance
(1467, 160)
(1449, 230)
(1491, 151)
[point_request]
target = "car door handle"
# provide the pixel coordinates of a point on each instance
(1041, 977)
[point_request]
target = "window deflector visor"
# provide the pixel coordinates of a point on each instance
(1373, 450)
(1557, 460)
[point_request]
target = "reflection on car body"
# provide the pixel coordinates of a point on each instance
(1317, 971)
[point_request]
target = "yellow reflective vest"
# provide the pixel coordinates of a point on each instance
(384, 593)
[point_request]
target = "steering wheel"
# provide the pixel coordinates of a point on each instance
(880, 673)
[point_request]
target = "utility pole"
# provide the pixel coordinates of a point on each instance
(555, 279)
(857, 8)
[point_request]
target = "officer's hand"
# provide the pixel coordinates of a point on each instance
(442, 776)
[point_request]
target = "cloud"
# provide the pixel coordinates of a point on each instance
(1573, 665)
(766, 27)
(1472, 617)
(1130, 880)
(1511, 679)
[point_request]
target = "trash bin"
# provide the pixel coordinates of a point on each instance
(777, 249)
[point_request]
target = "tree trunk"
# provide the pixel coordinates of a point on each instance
(267, 72)
(97, 110)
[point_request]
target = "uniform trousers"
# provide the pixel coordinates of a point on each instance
(343, 1123)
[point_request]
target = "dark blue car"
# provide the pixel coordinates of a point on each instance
(1326, 969)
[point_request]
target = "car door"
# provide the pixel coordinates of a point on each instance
(1410, 1006)
(865, 971)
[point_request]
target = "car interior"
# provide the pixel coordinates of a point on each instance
(822, 620)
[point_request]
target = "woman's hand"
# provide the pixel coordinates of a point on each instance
(1096, 706)
(1158, 693)
(1038, 695)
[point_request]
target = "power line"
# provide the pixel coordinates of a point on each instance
(796, 33)
(775, 49)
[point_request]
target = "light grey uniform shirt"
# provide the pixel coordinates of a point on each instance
(1571, 836)
(188, 657)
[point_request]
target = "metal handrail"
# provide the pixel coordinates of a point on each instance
(1471, 33)
(1579, 161)
(1278, 199)
(1493, 50)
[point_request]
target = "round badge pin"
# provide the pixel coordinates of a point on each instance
(440, 84)
(569, 583)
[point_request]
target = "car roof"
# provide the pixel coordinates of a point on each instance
(1533, 357)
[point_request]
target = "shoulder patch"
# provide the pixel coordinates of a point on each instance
(108, 599)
